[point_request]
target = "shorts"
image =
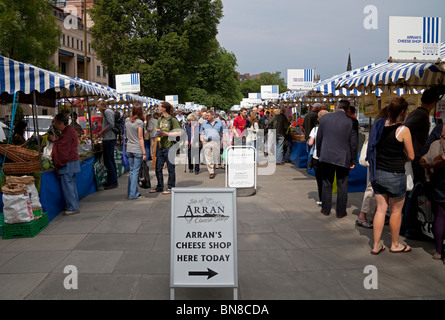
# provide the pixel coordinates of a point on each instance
(390, 183)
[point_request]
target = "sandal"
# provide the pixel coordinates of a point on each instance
(405, 249)
(154, 191)
(378, 252)
(363, 223)
(168, 191)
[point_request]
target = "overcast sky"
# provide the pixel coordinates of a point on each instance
(270, 36)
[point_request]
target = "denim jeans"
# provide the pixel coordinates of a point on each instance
(135, 160)
(68, 182)
(279, 151)
(161, 159)
(109, 162)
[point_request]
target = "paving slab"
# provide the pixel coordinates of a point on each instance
(287, 250)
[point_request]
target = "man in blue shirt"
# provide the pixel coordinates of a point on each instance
(212, 130)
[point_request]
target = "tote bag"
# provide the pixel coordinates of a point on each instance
(144, 176)
(409, 176)
(125, 161)
(363, 155)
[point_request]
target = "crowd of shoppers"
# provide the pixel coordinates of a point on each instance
(394, 140)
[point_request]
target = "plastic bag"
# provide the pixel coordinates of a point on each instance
(17, 204)
(144, 176)
(30, 188)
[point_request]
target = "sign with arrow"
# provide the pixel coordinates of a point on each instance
(209, 273)
(203, 238)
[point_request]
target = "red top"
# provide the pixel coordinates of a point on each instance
(65, 147)
(298, 122)
(240, 125)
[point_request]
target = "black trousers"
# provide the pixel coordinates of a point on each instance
(329, 172)
(319, 177)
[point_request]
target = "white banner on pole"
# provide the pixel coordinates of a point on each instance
(270, 92)
(300, 79)
(415, 38)
(128, 83)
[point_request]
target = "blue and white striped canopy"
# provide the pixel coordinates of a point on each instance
(17, 76)
(328, 87)
(387, 74)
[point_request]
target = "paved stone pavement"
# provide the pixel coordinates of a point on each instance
(287, 250)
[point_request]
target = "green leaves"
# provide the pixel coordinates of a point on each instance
(171, 43)
(28, 31)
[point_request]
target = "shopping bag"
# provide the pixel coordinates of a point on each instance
(363, 154)
(409, 176)
(144, 176)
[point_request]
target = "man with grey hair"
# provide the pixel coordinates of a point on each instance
(211, 133)
(311, 119)
(337, 152)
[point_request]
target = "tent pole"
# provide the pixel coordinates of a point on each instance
(89, 119)
(36, 128)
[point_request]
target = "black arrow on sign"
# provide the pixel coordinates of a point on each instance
(209, 273)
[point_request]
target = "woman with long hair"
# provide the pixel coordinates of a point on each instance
(393, 147)
(168, 129)
(316, 164)
(134, 128)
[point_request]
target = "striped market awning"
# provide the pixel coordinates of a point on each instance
(17, 76)
(416, 76)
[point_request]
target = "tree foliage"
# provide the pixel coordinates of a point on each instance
(171, 43)
(28, 32)
(266, 78)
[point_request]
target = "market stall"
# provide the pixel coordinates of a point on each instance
(24, 83)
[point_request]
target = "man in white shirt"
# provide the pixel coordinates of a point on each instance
(180, 116)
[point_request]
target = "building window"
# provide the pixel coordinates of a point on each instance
(98, 71)
(104, 72)
(63, 39)
(89, 47)
(77, 44)
(68, 40)
(63, 67)
(72, 42)
(81, 45)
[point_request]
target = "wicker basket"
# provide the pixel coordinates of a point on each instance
(298, 137)
(25, 167)
(24, 153)
(10, 153)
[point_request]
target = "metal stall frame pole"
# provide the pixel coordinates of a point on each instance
(89, 120)
(36, 128)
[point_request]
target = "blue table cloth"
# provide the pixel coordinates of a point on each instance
(51, 196)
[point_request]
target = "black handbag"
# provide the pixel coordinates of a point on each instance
(144, 176)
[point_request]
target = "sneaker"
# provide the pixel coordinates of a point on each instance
(319, 203)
